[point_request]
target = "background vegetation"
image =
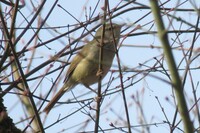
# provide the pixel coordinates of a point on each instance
(153, 85)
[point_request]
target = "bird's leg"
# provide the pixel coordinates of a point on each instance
(87, 86)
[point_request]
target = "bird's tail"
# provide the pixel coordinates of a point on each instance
(55, 99)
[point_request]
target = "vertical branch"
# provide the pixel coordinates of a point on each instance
(99, 96)
(188, 67)
(122, 86)
(176, 81)
(25, 100)
(11, 46)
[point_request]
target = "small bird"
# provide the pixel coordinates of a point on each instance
(85, 65)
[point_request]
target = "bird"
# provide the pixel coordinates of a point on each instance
(85, 65)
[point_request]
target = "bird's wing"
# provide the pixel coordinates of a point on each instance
(80, 55)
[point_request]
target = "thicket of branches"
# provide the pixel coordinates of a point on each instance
(153, 83)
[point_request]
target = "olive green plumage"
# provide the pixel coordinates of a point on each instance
(84, 66)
